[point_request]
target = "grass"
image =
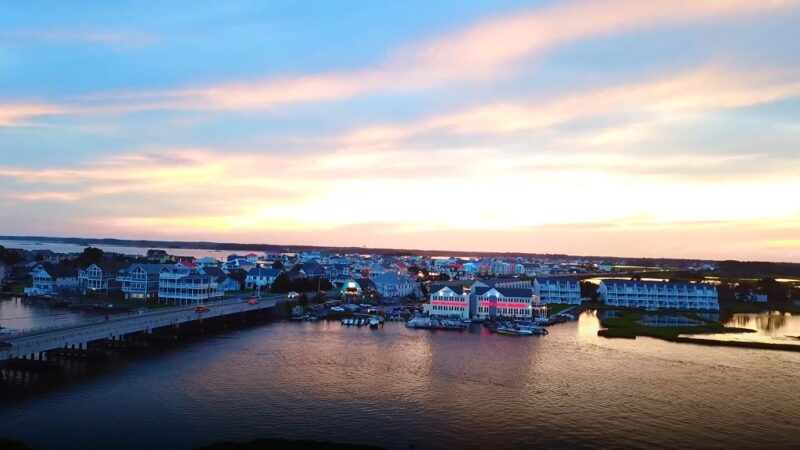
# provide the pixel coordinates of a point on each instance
(627, 325)
(555, 308)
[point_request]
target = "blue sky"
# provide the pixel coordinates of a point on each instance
(610, 127)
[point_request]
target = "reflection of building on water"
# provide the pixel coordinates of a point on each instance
(669, 320)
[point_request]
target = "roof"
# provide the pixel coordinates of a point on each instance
(506, 292)
(657, 284)
(188, 264)
(148, 267)
(215, 273)
(557, 280)
(457, 286)
(58, 271)
(264, 272)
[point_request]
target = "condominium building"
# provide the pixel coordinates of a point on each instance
(558, 290)
(658, 294)
(449, 300)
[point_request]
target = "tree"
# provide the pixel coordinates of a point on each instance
(589, 289)
(281, 285)
(303, 300)
(90, 255)
(277, 265)
(444, 277)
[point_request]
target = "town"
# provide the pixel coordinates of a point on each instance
(466, 289)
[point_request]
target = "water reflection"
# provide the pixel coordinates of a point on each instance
(773, 327)
(23, 314)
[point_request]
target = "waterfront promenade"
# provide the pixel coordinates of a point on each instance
(31, 344)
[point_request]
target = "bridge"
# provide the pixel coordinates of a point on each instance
(32, 343)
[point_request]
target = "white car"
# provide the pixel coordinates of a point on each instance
(293, 294)
(337, 309)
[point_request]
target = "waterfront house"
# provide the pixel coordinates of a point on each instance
(140, 281)
(261, 278)
(100, 278)
(158, 256)
(208, 261)
(48, 279)
(558, 290)
(658, 294)
(503, 302)
(238, 263)
(449, 300)
(390, 285)
(187, 284)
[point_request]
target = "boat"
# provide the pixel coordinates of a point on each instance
(374, 322)
(505, 329)
(530, 330)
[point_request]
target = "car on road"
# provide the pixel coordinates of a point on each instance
(293, 294)
(252, 301)
(201, 309)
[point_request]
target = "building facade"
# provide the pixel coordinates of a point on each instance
(658, 294)
(187, 284)
(558, 290)
(140, 281)
(447, 300)
(503, 302)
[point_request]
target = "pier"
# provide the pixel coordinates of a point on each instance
(33, 344)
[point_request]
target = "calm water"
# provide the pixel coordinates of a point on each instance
(59, 247)
(395, 386)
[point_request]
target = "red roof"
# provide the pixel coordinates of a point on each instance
(188, 264)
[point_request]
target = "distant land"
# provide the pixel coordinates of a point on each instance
(732, 266)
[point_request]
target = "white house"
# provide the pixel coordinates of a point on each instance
(187, 284)
(506, 302)
(260, 277)
(448, 300)
(391, 285)
(50, 279)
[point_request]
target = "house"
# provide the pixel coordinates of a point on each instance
(449, 300)
(225, 281)
(159, 256)
(658, 294)
(558, 290)
(140, 281)
(185, 284)
(100, 278)
(208, 261)
(252, 258)
(307, 270)
(260, 277)
(393, 286)
(238, 263)
(506, 302)
(50, 279)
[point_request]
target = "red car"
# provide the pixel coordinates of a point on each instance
(201, 309)
(252, 301)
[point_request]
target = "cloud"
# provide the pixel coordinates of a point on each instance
(706, 89)
(484, 50)
(17, 114)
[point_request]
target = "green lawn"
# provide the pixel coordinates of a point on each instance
(555, 308)
(627, 325)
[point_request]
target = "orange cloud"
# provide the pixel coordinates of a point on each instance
(16, 114)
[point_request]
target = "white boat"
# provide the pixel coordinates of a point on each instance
(374, 322)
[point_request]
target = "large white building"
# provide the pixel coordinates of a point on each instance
(558, 290)
(658, 294)
(187, 284)
(504, 302)
(448, 300)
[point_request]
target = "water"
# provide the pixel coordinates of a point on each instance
(774, 328)
(61, 247)
(395, 386)
(23, 314)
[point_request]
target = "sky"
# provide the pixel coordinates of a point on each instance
(603, 127)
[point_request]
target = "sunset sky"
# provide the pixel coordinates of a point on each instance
(621, 127)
